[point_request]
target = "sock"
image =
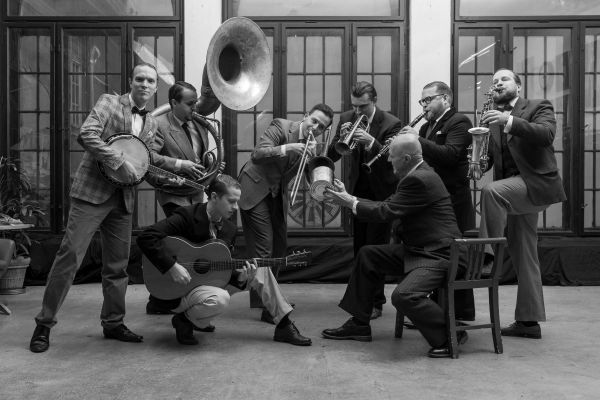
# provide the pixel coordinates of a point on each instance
(359, 322)
(285, 321)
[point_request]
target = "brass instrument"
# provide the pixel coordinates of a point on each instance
(478, 150)
(346, 143)
(384, 150)
(237, 73)
(301, 167)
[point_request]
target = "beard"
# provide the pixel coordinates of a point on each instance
(505, 96)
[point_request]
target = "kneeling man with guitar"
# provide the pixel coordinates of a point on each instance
(196, 279)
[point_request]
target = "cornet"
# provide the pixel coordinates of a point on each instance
(384, 150)
(346, 143)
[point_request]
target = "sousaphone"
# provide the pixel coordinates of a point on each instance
(237, 74)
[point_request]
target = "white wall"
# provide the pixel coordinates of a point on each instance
(430, 46)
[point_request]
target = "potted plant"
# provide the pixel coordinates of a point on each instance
(16, 208)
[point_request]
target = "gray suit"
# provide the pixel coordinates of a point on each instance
(171, 143)
(513, 202)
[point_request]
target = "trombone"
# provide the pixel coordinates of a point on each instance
(301, 166)
(346, 144)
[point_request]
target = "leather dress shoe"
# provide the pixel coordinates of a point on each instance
(517, 328)
(184, 329)
(290, 334)
(376, 313)
(210, 328)
(40, 340)
(349, 331)
(444, 351)
(122, 333)
(266, 316)
(154, 309)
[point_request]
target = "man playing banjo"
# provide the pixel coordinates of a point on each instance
(98, 204)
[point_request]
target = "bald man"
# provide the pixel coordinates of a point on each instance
(427, 226)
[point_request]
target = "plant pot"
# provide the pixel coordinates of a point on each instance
(13, 279)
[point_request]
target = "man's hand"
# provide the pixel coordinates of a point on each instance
(127, 172)
(409, 130)
(298, 148)
(339, 195)
(494, 117)
(247, 272)
(179, 274)
(362, 137)
(193, 170)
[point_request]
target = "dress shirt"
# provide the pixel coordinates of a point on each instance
(137, 121)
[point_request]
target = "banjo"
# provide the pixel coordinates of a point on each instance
(135, 151)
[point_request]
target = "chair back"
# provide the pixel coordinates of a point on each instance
(7, 249)
(471, 254)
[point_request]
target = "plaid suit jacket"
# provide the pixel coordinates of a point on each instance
(111, 115)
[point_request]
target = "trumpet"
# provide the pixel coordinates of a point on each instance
(384, 150)
(346, 144)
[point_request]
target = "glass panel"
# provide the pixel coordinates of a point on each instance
(295, 93)
(314, 91)
(245, 129)
(28, 119)
(91, 8)
(295, 54)
(383, 84)
(475, 8)
(333, 54)
(383, 54)
(364, 62)
(314, 54)
(333, 8)
(333, 92)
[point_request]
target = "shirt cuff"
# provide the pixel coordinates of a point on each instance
(368, 148)
(178, 163)
(283, 149)
(508, 125)
(354, 204)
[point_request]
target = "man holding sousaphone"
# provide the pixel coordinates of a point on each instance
(361, 133)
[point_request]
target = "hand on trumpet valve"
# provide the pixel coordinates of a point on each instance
(362, 137)
(494, 117)
(409, 130)
(338, 194)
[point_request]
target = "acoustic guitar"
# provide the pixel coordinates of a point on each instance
(135, 151)
(208, 263)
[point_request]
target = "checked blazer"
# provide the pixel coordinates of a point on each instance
(111, 115)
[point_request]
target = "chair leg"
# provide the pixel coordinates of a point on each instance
(495, 319)
(399, 328)
(4, 309)
(448, 296)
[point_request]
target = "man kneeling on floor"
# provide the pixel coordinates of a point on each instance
(421, 256)
(199, 223)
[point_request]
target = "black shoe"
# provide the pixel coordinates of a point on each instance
(265, 316)
(349, 331)
(444, 351)
(376, 313)
(210, 328)
(408, 324)
(155, 309)
(40, 340)
(465, 317)
(184, 329)
(290, 334)
(517, 328)
(123, 334)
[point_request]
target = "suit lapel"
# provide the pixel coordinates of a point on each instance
(203, 136)
(517, 111)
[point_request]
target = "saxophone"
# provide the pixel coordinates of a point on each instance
(477, 152)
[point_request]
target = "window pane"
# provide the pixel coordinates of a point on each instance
(383, 54)
(314, 54)
(474, 8)
(91, 8)
(333, 54)
(334, 8)
(364, 60)
(295, 54)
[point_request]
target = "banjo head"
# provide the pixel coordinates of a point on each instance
(134, 151)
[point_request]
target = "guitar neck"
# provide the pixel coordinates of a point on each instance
(238, 263)
(159, 171)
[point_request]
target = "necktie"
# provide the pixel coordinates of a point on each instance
(136, 110)
(186, 129)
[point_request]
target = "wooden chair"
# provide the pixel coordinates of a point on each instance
(7, 248)
(471, 251)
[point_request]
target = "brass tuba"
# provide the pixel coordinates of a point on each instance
(477, 152)
(237, 74)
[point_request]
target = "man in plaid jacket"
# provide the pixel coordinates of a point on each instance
(97, 204)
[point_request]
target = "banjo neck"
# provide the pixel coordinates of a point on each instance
(159, 171)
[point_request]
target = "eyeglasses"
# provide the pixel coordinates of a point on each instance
(425, 101)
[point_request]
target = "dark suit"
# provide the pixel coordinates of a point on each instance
(445, 148)
(377, 185)
(514, 202)
(427, 226)
(171, 143)
(264, 180)
(97, 204)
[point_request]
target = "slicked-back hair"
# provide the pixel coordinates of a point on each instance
(142, 64)
(175, 91)
(362, 87)
(221, 184)
(441, 88)
(325, 109)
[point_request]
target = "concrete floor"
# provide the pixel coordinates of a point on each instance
(240, 360)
